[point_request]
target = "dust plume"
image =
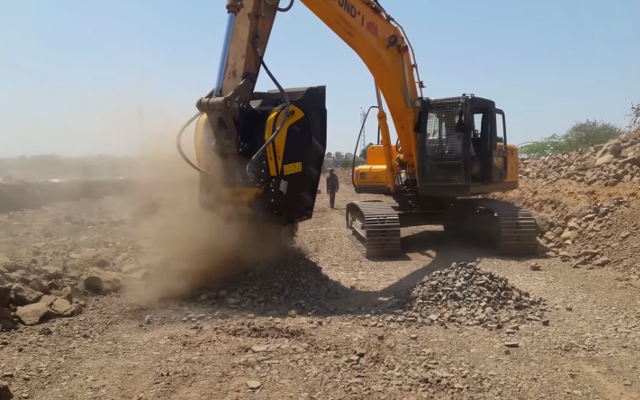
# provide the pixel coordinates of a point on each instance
(187, 246)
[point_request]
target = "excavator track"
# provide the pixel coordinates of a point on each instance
(518, 232)
(374, 228)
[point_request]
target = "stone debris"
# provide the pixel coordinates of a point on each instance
(569, 234)
(583, 204)
(50, 279)
(608, 164)
(464, 294)
(294, 284)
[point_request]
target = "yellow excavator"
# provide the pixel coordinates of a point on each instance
(449, 151)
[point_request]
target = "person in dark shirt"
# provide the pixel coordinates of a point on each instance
(332, 187)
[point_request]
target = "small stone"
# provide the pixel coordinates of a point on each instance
(259, 349)
(535, 267)
(24, 295)
(39, 286)
(102, 282)
(627, 382)
(512, 344)
(33, 314)
(61, 307)
(253, 385)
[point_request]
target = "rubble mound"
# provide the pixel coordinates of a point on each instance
(607, 164)
(54, 262)
(32, 292)
(464, 294)
(570, 231)
(584, 202)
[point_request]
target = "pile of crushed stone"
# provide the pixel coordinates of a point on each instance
(466, 295)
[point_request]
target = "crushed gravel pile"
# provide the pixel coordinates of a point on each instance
(464, 294)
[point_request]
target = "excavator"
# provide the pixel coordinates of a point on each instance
(450, 153)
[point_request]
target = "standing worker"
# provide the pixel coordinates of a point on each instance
(332, 187)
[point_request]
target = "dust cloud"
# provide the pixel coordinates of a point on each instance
(187, 246)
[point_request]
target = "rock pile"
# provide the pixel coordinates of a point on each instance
(575, 232)
(609, 164)
(30, 295)
(585, 219)
(464, 294)
(48, 278)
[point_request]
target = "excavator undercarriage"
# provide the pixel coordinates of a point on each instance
(375, 226)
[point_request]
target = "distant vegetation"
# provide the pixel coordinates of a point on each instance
(345, 160)
(580, 135)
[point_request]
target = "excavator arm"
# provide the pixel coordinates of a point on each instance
(363, 24)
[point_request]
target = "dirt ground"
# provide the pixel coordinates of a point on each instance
(331, 334)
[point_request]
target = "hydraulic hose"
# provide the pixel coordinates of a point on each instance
(262, 149)
(274, 135)
(285, 9)
(287, 103)
(353, 162)
(179, 145)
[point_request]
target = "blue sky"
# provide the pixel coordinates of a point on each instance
(76, 76)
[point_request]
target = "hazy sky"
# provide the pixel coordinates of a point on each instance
(80, 77)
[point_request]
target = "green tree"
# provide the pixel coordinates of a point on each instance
(590, 133)
(580, 135)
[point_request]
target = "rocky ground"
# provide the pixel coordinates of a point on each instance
(98, 303)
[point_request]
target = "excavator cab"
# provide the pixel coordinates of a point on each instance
(462, 148)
